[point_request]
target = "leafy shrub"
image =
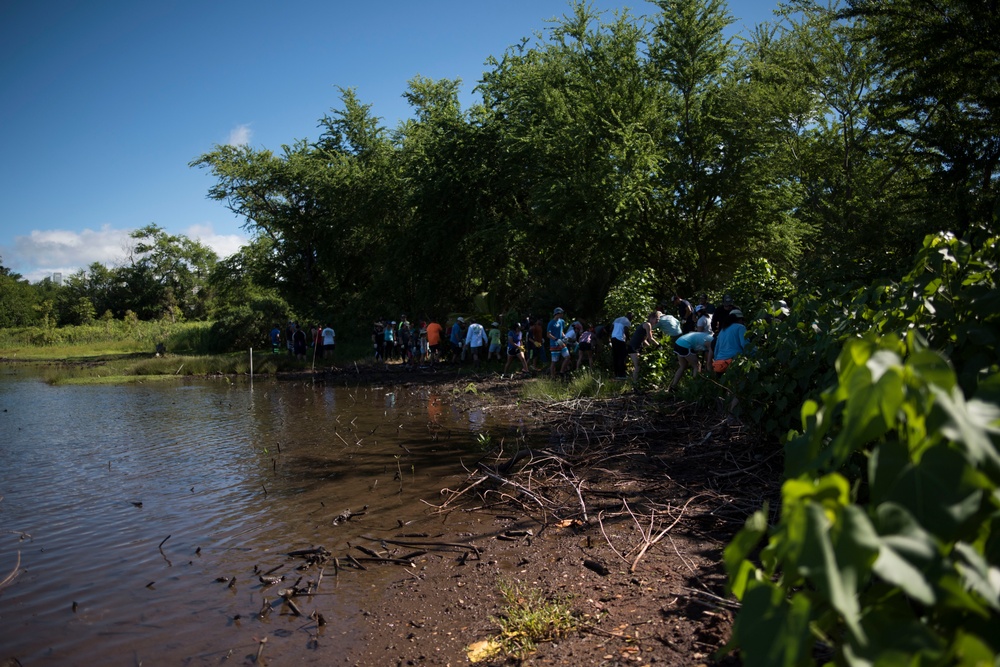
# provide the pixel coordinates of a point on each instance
(950, 296)
(244, 326)
(914, 576)
(756, 286)
(635, 292)
(887, 549)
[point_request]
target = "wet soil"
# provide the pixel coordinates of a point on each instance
(619, 507)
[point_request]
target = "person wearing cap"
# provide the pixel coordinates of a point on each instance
(556, 333)
(729, 342)
(494, 336)
(619, 346)
(687, 348)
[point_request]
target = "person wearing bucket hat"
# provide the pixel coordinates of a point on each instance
(729, 342)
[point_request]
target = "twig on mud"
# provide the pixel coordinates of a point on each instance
(456, 494)
(504, 480)
(600, 522)
(650, 542)
(577, 487)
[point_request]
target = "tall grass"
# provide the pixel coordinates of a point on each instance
(104, 338)
(586, 383)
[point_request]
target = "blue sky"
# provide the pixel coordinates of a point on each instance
(103, 103)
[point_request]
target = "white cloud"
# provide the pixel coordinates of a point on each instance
(224, 245)
(41, 253)
(240, 135)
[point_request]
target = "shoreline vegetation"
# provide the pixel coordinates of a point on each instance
(111, 353)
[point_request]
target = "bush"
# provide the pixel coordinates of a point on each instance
(244, 326)
(887, 548)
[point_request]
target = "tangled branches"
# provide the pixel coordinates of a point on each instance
(629, 461)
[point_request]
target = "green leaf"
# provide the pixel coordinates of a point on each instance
(906, 553)
(771, 630)
(738, 550)
(941, 491)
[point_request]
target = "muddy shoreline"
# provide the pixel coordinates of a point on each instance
(619, 507)
(623, 513)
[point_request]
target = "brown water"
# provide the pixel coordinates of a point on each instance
(231, 478)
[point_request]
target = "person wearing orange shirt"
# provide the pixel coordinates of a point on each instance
(434, 332)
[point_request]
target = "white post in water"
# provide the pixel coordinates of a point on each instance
(251, 369)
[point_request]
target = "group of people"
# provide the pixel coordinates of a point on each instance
(322, 339)
(701, 329)
(719, 334)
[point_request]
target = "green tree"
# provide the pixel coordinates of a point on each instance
(941, 60)
(723, 192)
(574, 115)
(17, 300)
(167, 275)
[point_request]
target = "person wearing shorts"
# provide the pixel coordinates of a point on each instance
(557, 344)
(434, 333)
(687, 348)
(515, 348)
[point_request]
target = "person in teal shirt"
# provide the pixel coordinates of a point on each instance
(687, 348)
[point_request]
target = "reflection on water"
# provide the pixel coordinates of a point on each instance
(126, 503)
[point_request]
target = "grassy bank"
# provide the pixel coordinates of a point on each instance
(122, 351)
(101, 339)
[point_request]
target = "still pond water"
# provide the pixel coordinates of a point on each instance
(125, 504)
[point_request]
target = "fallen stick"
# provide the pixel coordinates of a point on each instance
(415, 543)
(13, 573)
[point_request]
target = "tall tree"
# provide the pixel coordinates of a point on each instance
(941, 59)
(168, 274)
(575, 115)
(720, 193)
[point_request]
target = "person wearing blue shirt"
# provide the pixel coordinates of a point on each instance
(556, 333)
(729, 342)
